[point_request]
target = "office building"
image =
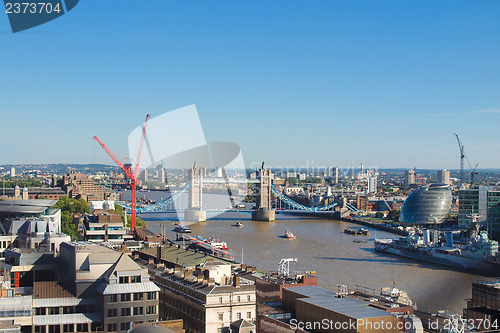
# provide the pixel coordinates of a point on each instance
(103, 226)
(443, 177)
(485, 201)
(429, 204)
(311, 304)
(120, 289)
(153, 176)
(31, 224)
(86, 288)
(484, 306)
(78, 186)
(32, 193)
(372, 184)
(12, 172)
(409, 179)
(201, 289)
(334, 173)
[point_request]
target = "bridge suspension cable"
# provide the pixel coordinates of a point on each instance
(298, 206)
(158, 206)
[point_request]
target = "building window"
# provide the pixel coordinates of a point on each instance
(124, 279)
(112, 298)
(249, 315)
(248, 298)
(40, 312)
(135, 279)
(238, 315)
(151, 310)
(40, 329)
(123, 326)
(221, 316)
(69, 327)
(112, 313)
(53, 311)
(54, 328)
(239, 299)
(112, 327)
(82, 327)
(152, 295)
(220, 299)
(138, 311)
(125, 312)
(138, 296)
(125, 297)
(68, 309)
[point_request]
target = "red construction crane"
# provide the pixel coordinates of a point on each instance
(132, 175)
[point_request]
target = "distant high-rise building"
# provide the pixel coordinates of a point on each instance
(409, 178)
(218, 172)
(12, 172)
(484, 201)
(334, 173)
(372, 184)
(444, 177)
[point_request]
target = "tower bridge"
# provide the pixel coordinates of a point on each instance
(269, 199)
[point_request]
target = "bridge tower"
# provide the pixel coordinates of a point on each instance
(194, 213)
(264, 211)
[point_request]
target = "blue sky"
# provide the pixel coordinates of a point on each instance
(386, 83)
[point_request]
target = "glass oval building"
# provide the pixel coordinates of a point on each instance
(427, 204)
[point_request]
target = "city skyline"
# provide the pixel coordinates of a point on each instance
(333, 82)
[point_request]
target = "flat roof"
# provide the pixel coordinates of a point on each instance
(349, 307)
(326, 299)
(84, 246)
(33, 206)
(188, 258)
(311, 291)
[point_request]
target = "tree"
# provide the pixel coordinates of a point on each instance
(69, 208)
(379, 215)
(138, 221)
(23, 183)
(394, 215)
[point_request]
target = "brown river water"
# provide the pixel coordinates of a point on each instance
(321, 245)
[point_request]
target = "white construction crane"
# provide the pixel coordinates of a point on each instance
(473, 171)
(284, 266)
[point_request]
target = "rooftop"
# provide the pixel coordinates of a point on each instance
(492, 284)
(34, 206)
(326, 299)
(123, 264)
(192, 281)
(187, 258)
(50, 289)
(88, 247)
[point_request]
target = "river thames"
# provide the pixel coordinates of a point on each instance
(322, 246)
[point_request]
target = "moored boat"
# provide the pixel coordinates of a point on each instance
(182, 229)
(478, 254)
